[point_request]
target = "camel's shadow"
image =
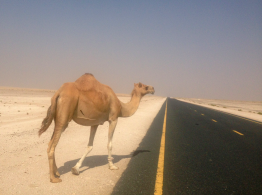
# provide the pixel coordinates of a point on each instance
(96, 161)
(90, 162)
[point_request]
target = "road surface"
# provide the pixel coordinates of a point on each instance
(206, 152)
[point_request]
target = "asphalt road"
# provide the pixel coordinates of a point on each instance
(206, 152)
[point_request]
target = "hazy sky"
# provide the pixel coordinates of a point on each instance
(193, 49)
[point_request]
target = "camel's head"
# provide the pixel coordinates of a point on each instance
(144, 89)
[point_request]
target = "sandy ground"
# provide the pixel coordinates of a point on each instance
(247, 109)
(23, 157)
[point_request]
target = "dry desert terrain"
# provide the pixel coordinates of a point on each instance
(23, 157)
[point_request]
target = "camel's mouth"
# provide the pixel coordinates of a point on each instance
(149, 90)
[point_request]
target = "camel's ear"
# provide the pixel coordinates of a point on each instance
(139, 84)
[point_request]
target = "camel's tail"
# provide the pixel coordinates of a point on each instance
(50, 115)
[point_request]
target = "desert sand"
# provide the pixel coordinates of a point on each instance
(23, 157)
(247, 109)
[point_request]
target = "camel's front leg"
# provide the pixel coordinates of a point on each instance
(75, 169)
(112, 126)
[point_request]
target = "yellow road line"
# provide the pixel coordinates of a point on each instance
(238, 132)
(202, 114)
(160, 166)
(214, 120)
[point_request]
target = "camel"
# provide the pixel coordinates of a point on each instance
(89, 103)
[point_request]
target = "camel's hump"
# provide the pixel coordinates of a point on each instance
(88, 74)
(86, 82)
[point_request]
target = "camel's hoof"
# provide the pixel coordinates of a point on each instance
(75, 171)
(55, 180)
(113, 167)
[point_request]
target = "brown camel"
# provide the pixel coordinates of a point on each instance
(88, 103)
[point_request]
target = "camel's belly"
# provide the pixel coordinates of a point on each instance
(88, 122)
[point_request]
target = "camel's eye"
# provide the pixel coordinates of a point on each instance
(146, 88)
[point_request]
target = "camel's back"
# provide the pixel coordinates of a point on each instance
(94, 93)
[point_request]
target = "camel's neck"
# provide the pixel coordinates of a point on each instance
(128, 109)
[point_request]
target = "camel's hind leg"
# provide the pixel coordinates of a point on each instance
(57, 174)
(51, 155)
(112, 126)
(75, 169)
(65, 107)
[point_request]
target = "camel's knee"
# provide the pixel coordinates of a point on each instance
(89, 148)
(109, 146)
(50, 154)
(48, 149)
(49, 146)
